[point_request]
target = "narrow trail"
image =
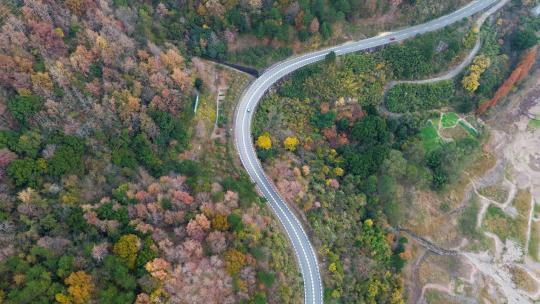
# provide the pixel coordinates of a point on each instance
(304, 251)
(498, 263)
(447, 75)
(450, 74)
(486, 201)
(220, 97)
(500, 275)
(415, 291)
(529, 223)
(448, 289)
(427, 244)
(439, 128)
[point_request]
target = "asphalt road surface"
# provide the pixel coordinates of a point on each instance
(305, 254)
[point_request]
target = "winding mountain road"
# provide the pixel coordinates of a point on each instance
(305, 254)
(450, 73)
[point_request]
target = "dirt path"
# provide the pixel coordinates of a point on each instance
(219, 98)
(484, 263)
(517, 144)
(450, 74)
(529, 223)
(448, 289)
(415, 291)
(427, 244)
(447, 75)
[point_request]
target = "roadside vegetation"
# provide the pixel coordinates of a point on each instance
(428, 54)
(352, 167)
(415, 97)
(113, 191)
(255, 32)
(260, 56)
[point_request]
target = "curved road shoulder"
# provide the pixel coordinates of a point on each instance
(451, 73)
(305, 254)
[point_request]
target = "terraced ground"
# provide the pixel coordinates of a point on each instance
(498, 223)
(449, 126)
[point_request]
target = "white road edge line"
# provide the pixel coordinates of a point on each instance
(247, 154)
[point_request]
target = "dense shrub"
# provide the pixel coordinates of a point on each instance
(448, 161)
(415, 97)
(22, 107)
(260, 56)
(523, 39)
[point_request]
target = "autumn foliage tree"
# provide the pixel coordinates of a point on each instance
(521, 70)
(220, 222)
(159, 268)
(6, 157)
(80, 288)
(97, 95)
(470, 38)
(234, 261)
(48, 38)
(264, 142)
(15, 71)
(471, 82)
(127, 247)
(290, 143)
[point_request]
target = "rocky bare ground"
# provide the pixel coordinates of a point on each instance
(502, 270)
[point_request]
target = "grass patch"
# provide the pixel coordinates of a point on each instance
(449, 120)
(206, 110)
(501, 224)
(407, 97)
(438, 297)
(468, 219)
(534, 123)
(506, 226)
(430, 138)
(260, 56)
(534, 242)
(469, 130)
(522, 279)
(536, 210)
(454, 133)
(497, 193)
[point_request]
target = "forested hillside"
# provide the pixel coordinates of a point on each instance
(99, 202)
(113, 190)
(357, 158)
(256, 32)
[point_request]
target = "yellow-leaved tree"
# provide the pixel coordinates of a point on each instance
(234, 261)
(220, 222)
(470, 38)
(471, 82)
(339, 171)
(264, 141)
(79, 290)
(290, 143)
(127, 248)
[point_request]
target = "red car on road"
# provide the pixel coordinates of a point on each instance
(392, 38)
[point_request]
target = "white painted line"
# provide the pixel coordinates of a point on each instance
(307, 258)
